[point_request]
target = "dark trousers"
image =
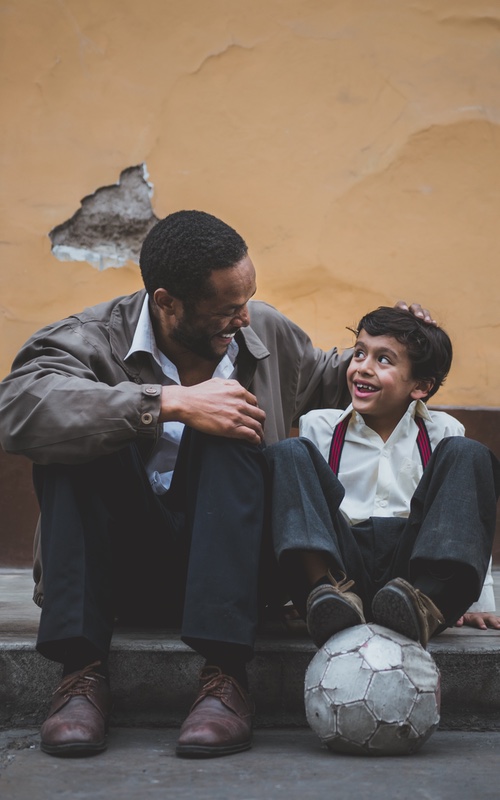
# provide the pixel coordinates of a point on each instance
(111, 547)
(452, 522)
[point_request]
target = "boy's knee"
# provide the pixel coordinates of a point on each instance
(461, 446)
(294, 448)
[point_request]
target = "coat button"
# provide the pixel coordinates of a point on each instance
(147, 418)
(151, 390)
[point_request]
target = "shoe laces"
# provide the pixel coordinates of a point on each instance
(214, 683)
(343, 585)
(77, 683)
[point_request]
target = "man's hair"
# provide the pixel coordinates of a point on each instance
(428, 346)
(181, 251)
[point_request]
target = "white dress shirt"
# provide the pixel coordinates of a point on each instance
(380, 477)
(161, 463)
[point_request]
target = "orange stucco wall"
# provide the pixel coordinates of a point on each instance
(355, 145)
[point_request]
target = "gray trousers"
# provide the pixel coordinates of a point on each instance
(452, 521)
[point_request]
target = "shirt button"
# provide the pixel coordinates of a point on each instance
(383, 503)
(147, 418)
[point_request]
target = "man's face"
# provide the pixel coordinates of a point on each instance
(380, 381)
(208, 327)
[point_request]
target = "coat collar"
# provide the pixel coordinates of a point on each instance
(123, 322)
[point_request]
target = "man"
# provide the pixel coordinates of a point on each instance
(146, 417)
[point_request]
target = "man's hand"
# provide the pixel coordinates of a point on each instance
(220, 407)
(417, 311)
(479, 619)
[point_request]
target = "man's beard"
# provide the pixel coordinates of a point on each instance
(197, 342)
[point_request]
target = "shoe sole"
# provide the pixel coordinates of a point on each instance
(329, 615)
(75, 749)
(393, 609)
(205, 751)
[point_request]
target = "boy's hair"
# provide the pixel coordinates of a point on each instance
(181, 251)
(428, 346)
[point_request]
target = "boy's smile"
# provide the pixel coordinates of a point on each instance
(381, 383)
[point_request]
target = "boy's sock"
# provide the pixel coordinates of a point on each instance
(337, 575)
(438, 581)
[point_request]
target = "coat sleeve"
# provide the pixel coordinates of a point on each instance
(322, 379)
(317, 378)
(66, 401)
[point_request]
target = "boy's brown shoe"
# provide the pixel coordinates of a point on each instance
(404, 609)
(331, 608)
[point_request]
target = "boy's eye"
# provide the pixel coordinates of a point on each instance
(384, 359)
(359, 354)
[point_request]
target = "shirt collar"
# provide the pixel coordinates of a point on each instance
(417, 408)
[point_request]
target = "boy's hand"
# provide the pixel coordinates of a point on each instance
(417, 310)
(480, 619)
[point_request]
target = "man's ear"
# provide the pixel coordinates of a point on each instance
(422, 389)
(167, 303)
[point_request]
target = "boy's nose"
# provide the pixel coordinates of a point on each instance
(366, 366)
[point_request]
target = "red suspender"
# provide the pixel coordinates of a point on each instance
(338, 438)
(337, 445)
(423, 442)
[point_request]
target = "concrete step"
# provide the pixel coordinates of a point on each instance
(154, 675)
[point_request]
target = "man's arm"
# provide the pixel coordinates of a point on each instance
(217, 406)
(417, 310)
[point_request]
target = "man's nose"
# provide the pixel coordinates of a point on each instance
(242, 318)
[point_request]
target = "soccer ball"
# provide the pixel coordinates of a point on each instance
(370, 690)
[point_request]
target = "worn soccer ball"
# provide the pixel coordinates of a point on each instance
(370, 690)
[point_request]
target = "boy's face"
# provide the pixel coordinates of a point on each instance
(380, 381)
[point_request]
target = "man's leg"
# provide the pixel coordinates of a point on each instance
(446, 544)
(221, 483)
(96, 519)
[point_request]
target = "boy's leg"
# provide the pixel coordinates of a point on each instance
(314, 544)
(446, 544)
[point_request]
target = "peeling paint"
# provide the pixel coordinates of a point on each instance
(109, 228)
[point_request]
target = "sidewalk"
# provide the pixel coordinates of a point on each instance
(282, 765)
(154, 675)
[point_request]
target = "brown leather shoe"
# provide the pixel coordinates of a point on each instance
(78, 718)
(220, 720)
(332, 608)
(404, 609)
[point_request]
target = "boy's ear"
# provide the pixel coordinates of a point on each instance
(422, 389)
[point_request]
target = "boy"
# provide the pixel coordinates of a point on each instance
(403, 535)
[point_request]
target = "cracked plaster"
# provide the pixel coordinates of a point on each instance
(109, 228)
